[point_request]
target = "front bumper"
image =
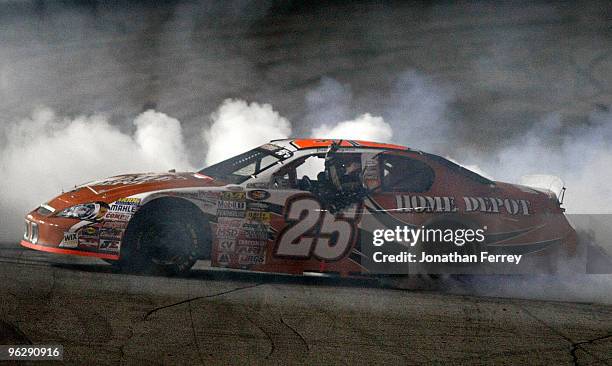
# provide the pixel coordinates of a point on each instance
(57, 250)
(46, 233)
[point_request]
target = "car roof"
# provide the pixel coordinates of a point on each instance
(302, 144)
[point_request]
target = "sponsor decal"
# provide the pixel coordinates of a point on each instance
(259, 195)
(227, 232)
(248, 249)
(255, 231)
(128, 201)
(497, 205)
(117, 216)
(223, 258)
(125, 205)
(233, 196)
(210, 198)
(110, 245)
(258, 185)
(115, 225)
(421, 204)
(137, 179)
(253, 243)
(258, 206)
(255, 247)
(227, 245)
(413, 203)
(70, 240)
(232, 204)
(128, 209)
(89, 243)
(230, 221)
(206, 197)
(247, 259)
(89, 232)
(258, 216)
(111, 233)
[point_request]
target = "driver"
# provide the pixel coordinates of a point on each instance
(342, 172)
(345, 174)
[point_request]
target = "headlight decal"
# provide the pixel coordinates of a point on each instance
(93, 211)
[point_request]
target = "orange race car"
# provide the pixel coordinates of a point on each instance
(300, 205)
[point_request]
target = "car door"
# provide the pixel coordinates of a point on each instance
(306, 235)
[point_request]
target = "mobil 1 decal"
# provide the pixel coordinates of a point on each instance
(312, 232)
(231, 204)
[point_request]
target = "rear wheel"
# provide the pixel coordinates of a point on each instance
(166, 237)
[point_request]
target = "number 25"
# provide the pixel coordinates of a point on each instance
(314, 232)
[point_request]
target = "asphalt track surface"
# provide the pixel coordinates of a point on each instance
(222, 317)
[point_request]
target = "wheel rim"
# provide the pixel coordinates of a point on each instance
(169, 243)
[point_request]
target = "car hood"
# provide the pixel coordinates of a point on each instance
(110, 189)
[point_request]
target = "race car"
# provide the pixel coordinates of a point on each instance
(292, 206)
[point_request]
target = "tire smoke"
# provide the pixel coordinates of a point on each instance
(45, 154)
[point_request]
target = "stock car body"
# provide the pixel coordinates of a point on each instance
(261, 211)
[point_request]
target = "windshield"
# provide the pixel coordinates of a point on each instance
(241, 167)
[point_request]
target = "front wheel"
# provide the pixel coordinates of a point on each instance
(162, 239)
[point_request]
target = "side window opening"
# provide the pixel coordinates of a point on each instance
(403, 174)
(291, 175)
(312, 167)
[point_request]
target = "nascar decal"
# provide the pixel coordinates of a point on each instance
(314, 232)
(419, 204)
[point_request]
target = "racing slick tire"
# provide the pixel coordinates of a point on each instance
(166, 237)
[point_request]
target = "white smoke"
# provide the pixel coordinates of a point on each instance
(328, 103)
(159, 138)
(239, 126)
(580, 155)
(418, 110)
(364, 127)
(44, 154)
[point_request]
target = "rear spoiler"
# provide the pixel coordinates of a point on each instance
(549, 183)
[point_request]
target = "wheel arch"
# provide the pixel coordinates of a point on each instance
(155, 202)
